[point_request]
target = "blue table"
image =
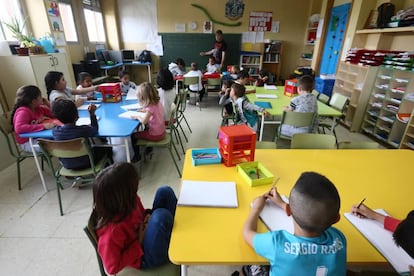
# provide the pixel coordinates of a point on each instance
(110, 125)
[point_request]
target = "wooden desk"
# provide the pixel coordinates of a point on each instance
(206, 236)
(281, 101)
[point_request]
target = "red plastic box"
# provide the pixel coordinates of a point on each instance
(111, 92)
(291, 87)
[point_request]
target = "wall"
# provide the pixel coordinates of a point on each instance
(293, 22)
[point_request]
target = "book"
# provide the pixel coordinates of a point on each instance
(208, 194)
(276, 218)
(129, 114)
(266, 96)
(382, 240)
(264, 104)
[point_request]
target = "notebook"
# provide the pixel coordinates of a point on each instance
(383, 241)
(275, 218)
(208, 194)
(266, 96)
(264, 104)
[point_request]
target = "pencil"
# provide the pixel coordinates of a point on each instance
(274, 184)
(362, 201)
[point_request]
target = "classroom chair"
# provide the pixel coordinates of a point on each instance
(338, 102)
(167, 142)
(313, 141)
(167, 269)
(315, 93)
(14, 150)
(212, 85)
(71, 149)
(297, 119)
(358, 145)
(323, 98)
(174, 127)
(191, 81)
(182, 105)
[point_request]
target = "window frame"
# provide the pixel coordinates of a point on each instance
(95, 7)
(69, 3)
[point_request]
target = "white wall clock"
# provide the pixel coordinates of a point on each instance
(192, 25)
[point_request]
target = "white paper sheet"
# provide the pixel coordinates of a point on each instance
(133, 107)
(85, 106)
(382, 239)
(208, 194)
(131, 95)
(266, 96)
(275, 218)
(129, 114)
(270, 87)
(84, 121)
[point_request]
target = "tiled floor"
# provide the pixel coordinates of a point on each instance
(36, 240)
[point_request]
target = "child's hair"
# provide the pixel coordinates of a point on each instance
(65, 111)
(24, 96)
(147, 94)
(263, 73)
(243, 74)
(83, 75)
(194, 66)
(306, 83)
(314, 202)
(165, 79)
(122, 73)
(51, 78)
(115, 193)
(403, 235)
(180, 61)
(219, 32)
(239, 90)
(228, 83)
(211, 58)
(235, 69)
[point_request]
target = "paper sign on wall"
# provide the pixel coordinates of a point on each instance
(260, 21)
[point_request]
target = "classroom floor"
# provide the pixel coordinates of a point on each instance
(36, 240)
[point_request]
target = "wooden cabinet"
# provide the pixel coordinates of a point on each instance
(252, 62)
(307, 52)
(17, 71)
(391, 95)
(272, 58)
(355, 82)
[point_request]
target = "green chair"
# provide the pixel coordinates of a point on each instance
(323, 98)
(358, 145)
(71, 149)
(315, 93)
(167, 269)
(338, 102)
(19, 155)
(216, 83)
(174, 127)
(296, 119)
(313, 141)
(167, 142)
(266, 145)
(182, 105)
(192, 81)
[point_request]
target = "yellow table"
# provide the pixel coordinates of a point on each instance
(281, 101)
(214, 235)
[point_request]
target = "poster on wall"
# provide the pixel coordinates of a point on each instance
(59, 38)
(207, 27)
(260, 21)
(56, 23)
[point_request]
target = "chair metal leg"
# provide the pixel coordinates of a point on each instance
(177, 134)
(182, 130)
(19, 184)
(185, 119)
(58, 187)
(175, 148)
(175, 162)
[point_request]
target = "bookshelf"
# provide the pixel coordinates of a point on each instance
(307, 52)
(354, 82)
(252, 62)
(391, 96)
(272, 58)
(408, 137)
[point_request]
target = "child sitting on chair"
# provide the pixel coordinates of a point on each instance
(305, 102)
(196, 88)
(126, 83)
(66, 112)
(85, 81)
(246, 111)
(315, 247)
(262, 79)
(212, 66)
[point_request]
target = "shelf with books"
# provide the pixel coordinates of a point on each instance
(391, 96)
(252, 62)
(272, 53)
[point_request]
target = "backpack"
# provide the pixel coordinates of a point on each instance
(145, 56)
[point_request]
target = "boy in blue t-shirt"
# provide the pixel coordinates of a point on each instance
(315, 248)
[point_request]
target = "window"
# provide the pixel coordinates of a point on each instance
(68, 22)
(94, 20)
(9, 9)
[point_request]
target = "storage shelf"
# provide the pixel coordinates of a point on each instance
(385, 30)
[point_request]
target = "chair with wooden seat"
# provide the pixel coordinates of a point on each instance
(193, 81)
(14, 150)
(296, 119)
(313, 141)
(90, 231)
(71, 149)
(166, 142)
(358, 145)
(338, 102)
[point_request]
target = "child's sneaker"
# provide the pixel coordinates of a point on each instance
(255, 270)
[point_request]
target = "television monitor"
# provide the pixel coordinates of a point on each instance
(128, 55)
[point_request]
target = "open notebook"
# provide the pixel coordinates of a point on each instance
(208, 194)
(275, 218)
(382, 239)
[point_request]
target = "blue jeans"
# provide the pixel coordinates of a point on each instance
(159, 227)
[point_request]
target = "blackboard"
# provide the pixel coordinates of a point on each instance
(188, 46)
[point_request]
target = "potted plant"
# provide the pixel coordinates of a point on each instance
(16, 27)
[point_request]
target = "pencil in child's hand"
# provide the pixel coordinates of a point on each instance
(362, 201)
(274, 185)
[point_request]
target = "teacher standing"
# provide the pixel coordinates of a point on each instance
(219, 50)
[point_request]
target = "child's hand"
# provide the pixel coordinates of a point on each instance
(265, 113)
(45, 102)
(79, 102)
(92, 109)
(48, 125)
(363, 211)
(96, 88)
(275, 197)
(259, 203)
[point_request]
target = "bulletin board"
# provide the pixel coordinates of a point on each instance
(188, 46)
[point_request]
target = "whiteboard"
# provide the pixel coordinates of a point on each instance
(138, 20)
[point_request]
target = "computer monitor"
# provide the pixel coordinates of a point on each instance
(128, 55)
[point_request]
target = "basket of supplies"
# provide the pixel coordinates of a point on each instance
(111, 92)
(291, 87)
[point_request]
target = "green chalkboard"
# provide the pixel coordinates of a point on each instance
(188, 46)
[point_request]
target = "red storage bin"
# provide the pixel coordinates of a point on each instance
(291, 87)
(236, 144)
(111, 92)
